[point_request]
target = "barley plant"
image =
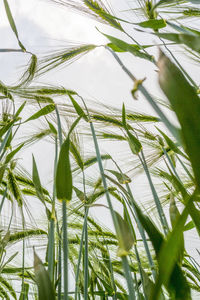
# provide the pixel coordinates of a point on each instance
(69, 253)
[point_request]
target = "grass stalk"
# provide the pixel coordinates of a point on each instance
(51, 238)
(23, 257)
(185, 168)
(80, 254)
(86, 273)
(128, 277)
(115, 222)
(142, 233)
(59, 254)
(155, 195)
(65, 249)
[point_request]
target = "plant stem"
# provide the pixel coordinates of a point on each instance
(65, 250)
(155, 195)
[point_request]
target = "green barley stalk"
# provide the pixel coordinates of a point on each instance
(124, 258)
(64, 222)
(51, 241)
(154, 193)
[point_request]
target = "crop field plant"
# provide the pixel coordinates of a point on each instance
(70, 254)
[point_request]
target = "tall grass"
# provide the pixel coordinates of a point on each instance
(76, 256)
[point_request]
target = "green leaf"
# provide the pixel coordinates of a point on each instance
(148, 284)
(186, 104)
(190, 225)
(124, 236)
(124, 116)
(12, 154)
(53, 129)
(169, 253)
(25, 293)
(134, 143)
(64, 174)
(190, 40)
(45, 287)
(6, 127)
(36, 181)
(153, 23)
(77, 156)
(42, 112)
(12, 23)
(174, 216)
(171, 144)
(117, 49)
(176, 278)
(125, 47)
(173, 211)
(78, 109)
(20, 109)
(121, 177)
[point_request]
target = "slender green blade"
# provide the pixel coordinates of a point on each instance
(36, 181)
(190, 40)
(42, 112)
(64, 174)
(154, 24)
(12, 153)
(128, 48)
(45, 287)
(186, 105)
(12, 23)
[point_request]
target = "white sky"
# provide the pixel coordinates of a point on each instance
(42, 27)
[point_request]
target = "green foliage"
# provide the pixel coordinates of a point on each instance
(144, 257)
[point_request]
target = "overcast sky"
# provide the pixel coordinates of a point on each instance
(43, 26)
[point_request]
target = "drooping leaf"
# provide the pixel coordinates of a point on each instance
(121, 177)
(42, 112)
(125, 47)
(190, 40)
(12, 23)
(153, 23)
(115, 48)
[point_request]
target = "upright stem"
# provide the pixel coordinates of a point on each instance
(128, 277)
(155, 195)
(86, 245)
(142, 233)
(65, 250)
(51, 249)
